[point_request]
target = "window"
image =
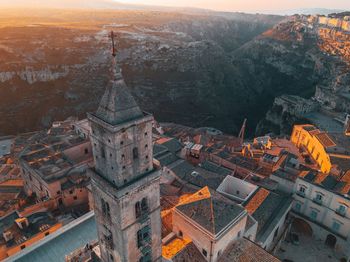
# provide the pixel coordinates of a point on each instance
(143, 236)
(75, 197)
(108, 238)
(144, 205)
(105, 208)
(121, 143)
(341, 210)
(23, 246)
(47, 233)
(204, 252)
(135, 153)
(146, 157)
(146, 133)
(146, 146)
(86, 151)
(319, 197)
(301, 191)
(180, 233)
(70, 191)
(335, 226)
(58, 192)
(137, 209)
(103, 153)
(317, 156)
(239, 234)
(297, 207)
(313, 215)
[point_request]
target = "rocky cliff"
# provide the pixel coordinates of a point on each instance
(177, 65)
(320, 47)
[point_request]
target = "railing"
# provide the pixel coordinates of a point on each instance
(82, 254)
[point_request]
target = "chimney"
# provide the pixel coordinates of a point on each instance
(347, 125)
(7, 235)
(22, 222)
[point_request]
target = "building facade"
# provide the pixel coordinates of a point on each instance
(325, 210)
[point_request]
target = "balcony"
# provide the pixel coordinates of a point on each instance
(340, 212)
(317, 201)
(301, 194)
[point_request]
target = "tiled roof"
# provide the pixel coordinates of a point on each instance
(201, 178)
(117, 104)
(189, 253)
(173, 145)
(336, 183)
(267, 208)
(182, 169)
(325, 140)
(210, 166)
(244, 250)
(256, 200)
(210, 210)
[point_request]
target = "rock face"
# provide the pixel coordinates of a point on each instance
(194, 69)
(320, 47)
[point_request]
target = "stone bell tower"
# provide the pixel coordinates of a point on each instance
(125, 184)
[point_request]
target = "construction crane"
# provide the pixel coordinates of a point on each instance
(242, 132)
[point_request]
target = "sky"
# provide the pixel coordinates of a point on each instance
(248, 5)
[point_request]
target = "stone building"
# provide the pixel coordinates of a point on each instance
(53, 165)
(125, 184)
(321, 204)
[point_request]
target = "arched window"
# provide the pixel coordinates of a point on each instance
(138, 209)
(135, 153)
(144, 205)
(105, 208)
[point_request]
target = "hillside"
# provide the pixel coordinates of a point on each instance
(177, 65)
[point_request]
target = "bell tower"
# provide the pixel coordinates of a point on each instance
(125, 184)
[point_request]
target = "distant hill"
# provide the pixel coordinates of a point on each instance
(310, 11)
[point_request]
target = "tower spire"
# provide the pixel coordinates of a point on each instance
(116, 71)
(117, 104)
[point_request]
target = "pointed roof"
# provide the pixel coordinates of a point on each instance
(210, 210)
(117, 104)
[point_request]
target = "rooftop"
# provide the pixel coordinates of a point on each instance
(210, 210)
(267, 208)
(339, 184)
(244, 250)
(65, 240)
(48, 154)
